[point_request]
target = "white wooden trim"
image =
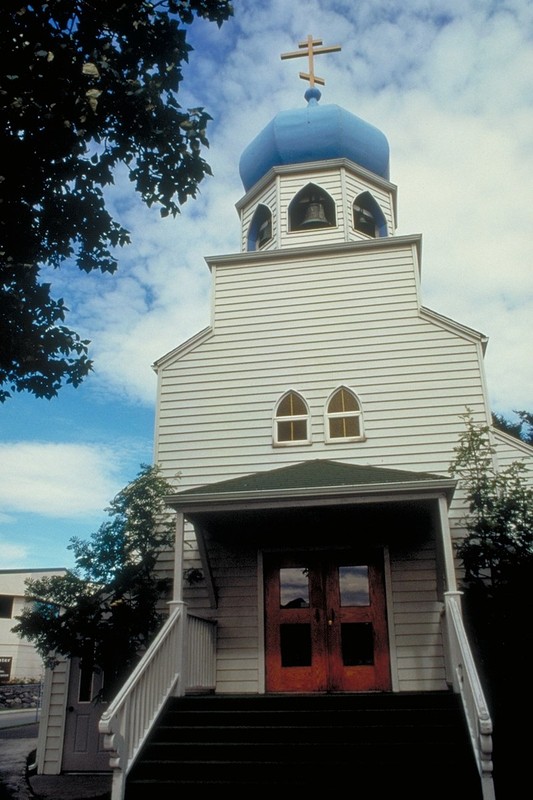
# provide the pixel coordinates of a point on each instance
(177, 594)
(206, 566)
(331, 165)
(447, 547)
(261, 664)
(393, 656)
(249, 260)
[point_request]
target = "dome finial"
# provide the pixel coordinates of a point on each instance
(311, 48)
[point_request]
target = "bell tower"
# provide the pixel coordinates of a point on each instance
(315, 175)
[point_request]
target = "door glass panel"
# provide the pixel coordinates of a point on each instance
(353, 586)
(357, 644)
(295, 644)
(294, 587)
(85, 689)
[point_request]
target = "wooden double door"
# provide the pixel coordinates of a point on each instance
(325, 622)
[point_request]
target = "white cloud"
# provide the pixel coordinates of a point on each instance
(450, 86)
(13, 555)
(59, 480)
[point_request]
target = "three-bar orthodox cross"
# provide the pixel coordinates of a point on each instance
(311, 48)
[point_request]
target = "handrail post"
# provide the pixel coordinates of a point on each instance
(452, 656)
(163, 672)
(181, 655)
(466, 684)
(177, 589)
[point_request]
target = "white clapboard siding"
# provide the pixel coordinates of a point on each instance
(237, 615)
(416, 612)
(311, 321)
(230, 410)
(509, 450)
(341, 178)
(279, 192)
(268, 198)
(355, 185)
(50, 739)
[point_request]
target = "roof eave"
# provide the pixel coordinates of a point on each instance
(342, 495)
(282, 254)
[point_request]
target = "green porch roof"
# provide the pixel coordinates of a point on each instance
(315, 474)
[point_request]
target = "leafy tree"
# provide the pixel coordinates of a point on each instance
(497, 555)
(522, 429)
(105, 611)
(85, 87)
(499, 544)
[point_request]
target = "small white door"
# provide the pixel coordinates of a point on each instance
(83, 746)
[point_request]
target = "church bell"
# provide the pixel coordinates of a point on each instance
(314, 216)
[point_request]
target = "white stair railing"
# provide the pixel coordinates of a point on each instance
(201, 649)
(466, 683)
(183, 648)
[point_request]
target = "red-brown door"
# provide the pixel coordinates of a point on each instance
(325, 623)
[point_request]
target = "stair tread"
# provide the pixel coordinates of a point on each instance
(263, 740)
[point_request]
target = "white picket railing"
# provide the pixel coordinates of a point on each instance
(182, 656)
(201, 650)
(465, 682)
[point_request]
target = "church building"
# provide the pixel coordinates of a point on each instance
(312, 424)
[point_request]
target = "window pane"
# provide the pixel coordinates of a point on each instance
(85, 688)
(291, 405)
(294, 587)
(295, 642)
(343, 427)
(351, 426)
(353, 586)
(357, 644)
(292, 430)
(336, 428)
(342, 401)
(6, 606)
(299, 429)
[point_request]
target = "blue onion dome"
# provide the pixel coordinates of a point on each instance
(314, 133)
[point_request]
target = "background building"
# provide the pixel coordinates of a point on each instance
(18, 658)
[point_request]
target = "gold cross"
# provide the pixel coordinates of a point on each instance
(311, 47)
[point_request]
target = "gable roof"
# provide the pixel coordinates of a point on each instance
(311, 480)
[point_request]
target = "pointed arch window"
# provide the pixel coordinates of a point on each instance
(344, 419)
(291, 420)
(311, 208)
(368, 218)
(260, 230)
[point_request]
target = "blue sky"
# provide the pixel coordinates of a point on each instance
(449, 83)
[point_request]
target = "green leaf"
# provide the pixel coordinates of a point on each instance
(85, 78)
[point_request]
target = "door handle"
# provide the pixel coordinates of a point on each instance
(331, 619)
